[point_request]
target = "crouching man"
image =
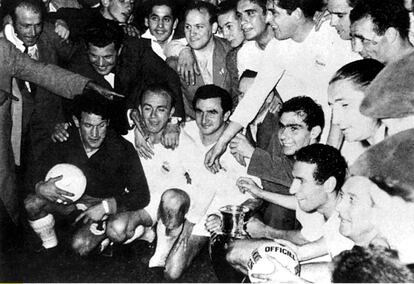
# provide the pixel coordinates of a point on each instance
(179, 187)
(115, 178)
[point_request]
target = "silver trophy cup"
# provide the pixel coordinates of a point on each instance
(233, 220)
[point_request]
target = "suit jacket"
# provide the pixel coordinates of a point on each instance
(43, 109)
(221, 76)
(13, 63)
(137, 67)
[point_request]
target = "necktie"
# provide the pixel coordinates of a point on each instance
(32, 87)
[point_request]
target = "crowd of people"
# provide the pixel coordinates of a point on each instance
(300, 111)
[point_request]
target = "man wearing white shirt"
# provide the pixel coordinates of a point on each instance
(301, 61)
(258, 33)
(319, 173)
(161, 21)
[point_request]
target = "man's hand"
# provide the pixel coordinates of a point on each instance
(131, 30)
(187, 66)
(256, 228)
(171, 136)
(240, 145)
(246, 184)
(213, 224)
(102, 91)
(143, 145)
(212, 158)
(94, 213)
(62, 29)
(279, 275)
(185, 235)
(60, 132)
(49, 190)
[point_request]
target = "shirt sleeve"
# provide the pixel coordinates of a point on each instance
(55, 79)
(267, 78)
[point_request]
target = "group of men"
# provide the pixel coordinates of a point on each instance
(242, 102)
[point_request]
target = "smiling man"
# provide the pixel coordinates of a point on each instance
(318, 174)
(209, 51)
(115, 179)
(41, 109)
(379, 30)
(258, 33)
(161, 21)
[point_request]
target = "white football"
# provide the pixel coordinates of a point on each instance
(73, 180)
(260, 264)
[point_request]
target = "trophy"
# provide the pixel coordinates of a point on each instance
(232, 228)
(233, 220)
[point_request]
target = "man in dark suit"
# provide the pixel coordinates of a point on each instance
(127, 66)
(40, 108)
(209, 51)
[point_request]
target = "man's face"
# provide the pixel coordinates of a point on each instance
(345, 99)
(102, 59)
(293, 133)
(156, 110)
(367, 42)
(28, 25)
(283, 24)
(161, 23)
(356, 208)
(210, 116)
(92, 129)
(198, 30)
(231, 28)
(308, 192)
(339, 10)
(252, 19)
(120, 10)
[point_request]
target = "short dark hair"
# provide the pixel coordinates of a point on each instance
(248, 74)
(360, 72)
(203, 6)
(307, 108)
(384, 14)
(372, 264)
(36, 6)
(103, 33)
(160, 88)
(213, 91)
(169, 3)
(308, 7)
(328, 160)
(90, 102)
(261, 3)
(226, 6)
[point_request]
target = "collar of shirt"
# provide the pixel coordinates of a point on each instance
(110, 78)
(156, 47)
(12, 37)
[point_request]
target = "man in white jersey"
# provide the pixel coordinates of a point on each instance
(181, 188)
(301, 61)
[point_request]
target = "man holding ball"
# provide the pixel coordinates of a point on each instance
(115, 178)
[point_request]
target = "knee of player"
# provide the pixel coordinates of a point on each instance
(116, 230)
(174, 202)
(80, 245)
